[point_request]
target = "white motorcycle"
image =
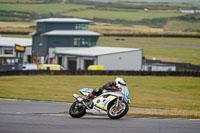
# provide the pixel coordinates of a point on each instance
(114, 104)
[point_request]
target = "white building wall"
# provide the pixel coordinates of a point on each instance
(122, 61)
(65, 65)
(28, 52)
(79, 59)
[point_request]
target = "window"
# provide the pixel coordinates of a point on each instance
(9, 61)
(84, 26)
(8, 51)
(84, 42)
(77, 26)
(40, 44)
(5, 62)
(81, 26)
(93, 42)
(77, 42)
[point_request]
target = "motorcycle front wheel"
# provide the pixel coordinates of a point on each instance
(118, 112)
(77, 110)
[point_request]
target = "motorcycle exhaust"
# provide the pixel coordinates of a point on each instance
(78, 98)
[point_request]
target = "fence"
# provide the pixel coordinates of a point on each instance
(127, 73)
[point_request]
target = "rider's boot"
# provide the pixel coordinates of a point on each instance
(89, 99)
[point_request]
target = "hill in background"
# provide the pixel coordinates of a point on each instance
(166, 1)
(111, 17)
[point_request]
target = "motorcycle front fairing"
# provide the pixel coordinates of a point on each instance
(100, 103)
(126, 94)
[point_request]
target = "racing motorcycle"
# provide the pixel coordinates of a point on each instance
(114, 104)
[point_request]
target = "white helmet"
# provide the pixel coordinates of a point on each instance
(120, 82)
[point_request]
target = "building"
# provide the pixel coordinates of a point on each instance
(158, 67)
(10, 63)
(112, 58)
(190, 11)
(7, 47)
(10, 60)
(68, 42)
(61, 32)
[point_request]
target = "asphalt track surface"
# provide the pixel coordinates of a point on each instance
(41, 117)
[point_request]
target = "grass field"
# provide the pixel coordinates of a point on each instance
(133, 16)
(164, 53)
(27, 27)
(19, 1)
(104, 28)
(41, 8)
(109, 28)
(194, 41)
(182, 26)
(63, 9)
(160, 15)
(180, 93)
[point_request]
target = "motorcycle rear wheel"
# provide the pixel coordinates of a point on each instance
(118, 112)
(77, 111)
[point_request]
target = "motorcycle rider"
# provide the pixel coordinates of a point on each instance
(109, 86)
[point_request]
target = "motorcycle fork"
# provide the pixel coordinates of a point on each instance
(117, 104)
(85, 105)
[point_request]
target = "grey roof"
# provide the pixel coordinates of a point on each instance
(95, 51)
(11, 41)
(65, 20)
(71, 33)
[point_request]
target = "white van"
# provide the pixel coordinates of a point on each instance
(29, 67)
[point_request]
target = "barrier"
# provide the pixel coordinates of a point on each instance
(127, 73)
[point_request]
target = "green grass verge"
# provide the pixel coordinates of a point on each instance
(181, 93)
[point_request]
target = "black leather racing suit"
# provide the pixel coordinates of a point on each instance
(110, 85)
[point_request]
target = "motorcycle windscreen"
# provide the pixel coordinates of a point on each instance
(85, 91)
(126, 93)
